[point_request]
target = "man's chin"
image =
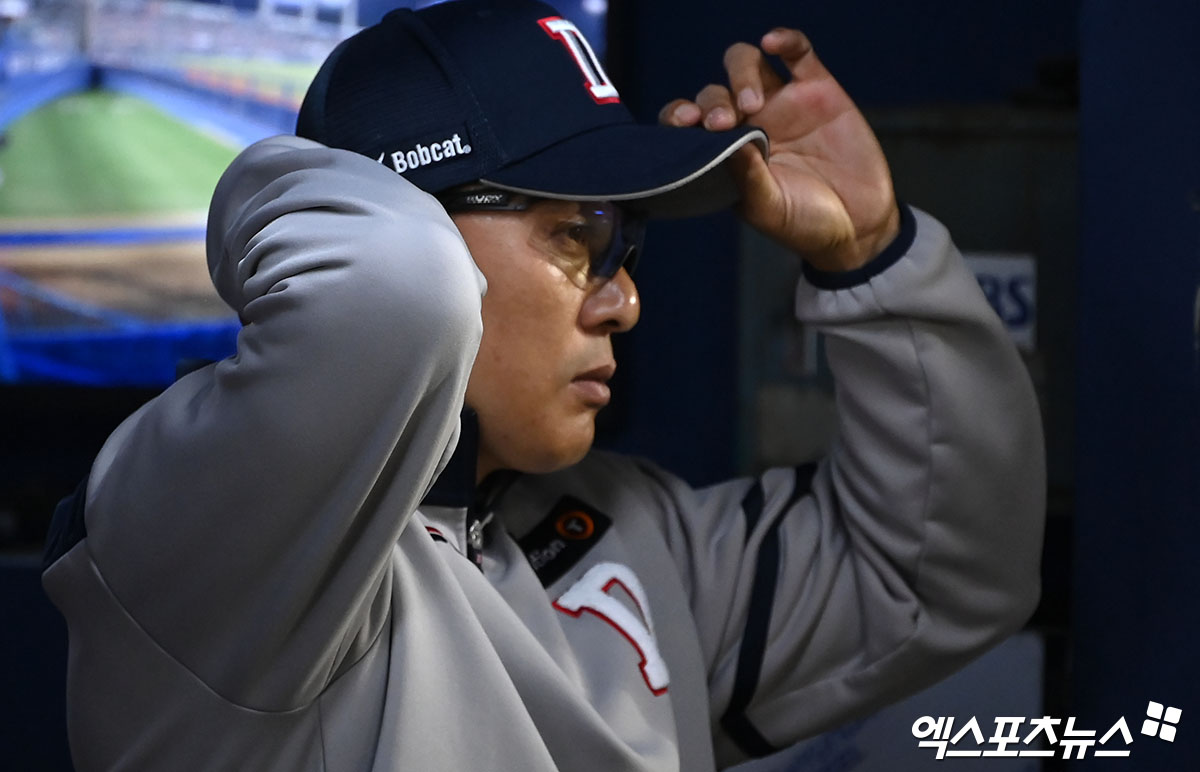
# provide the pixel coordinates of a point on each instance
(560, 458)
(543, 455)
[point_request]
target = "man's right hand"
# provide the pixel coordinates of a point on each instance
(825, 190)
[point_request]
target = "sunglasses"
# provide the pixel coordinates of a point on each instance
(609, 236)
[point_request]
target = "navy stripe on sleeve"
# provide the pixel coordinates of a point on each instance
(835, 280)
(758, 620)
(752, 505)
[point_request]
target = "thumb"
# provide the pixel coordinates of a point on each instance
(760, 194)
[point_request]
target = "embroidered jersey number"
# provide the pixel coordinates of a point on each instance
(592, 593)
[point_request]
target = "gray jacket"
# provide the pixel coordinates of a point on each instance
(267, 582)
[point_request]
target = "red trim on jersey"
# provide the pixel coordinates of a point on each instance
(438, 536)
(595, 612)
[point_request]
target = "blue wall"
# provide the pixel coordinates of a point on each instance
(25, 93)
(1136, 622)
(33, 677)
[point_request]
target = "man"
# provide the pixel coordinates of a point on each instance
(375, 538)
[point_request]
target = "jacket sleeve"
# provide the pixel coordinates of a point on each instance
(245, 517)
(824, 592)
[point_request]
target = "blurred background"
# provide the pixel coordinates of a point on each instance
(1057, 140)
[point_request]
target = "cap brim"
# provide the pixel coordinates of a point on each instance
(663, 171)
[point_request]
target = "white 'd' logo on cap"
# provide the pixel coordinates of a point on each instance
(599, 86)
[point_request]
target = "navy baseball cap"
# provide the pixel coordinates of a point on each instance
(509, 93)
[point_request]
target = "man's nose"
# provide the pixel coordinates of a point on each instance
(612, 307)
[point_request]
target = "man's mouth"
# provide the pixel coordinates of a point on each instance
(592, 386)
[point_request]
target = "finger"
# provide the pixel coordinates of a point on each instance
(751, 78)
(716, 103)
(794, 48)
(680, 112)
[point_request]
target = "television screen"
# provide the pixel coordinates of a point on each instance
(117, 118)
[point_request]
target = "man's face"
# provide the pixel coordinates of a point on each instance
(546, 355)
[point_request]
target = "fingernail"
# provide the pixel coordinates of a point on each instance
(687, 113)
(719, 115)
(748, 99)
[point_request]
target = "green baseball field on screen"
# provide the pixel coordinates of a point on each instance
(103, 153)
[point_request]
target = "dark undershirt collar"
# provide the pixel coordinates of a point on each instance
(455, 487)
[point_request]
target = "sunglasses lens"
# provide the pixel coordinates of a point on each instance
(634, 231)
(621, 249)
(610, 236)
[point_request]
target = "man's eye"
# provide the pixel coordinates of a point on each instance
(574, 238)
(580, 233)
